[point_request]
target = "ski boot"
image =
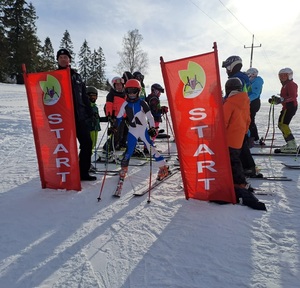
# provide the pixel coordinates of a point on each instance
(122, 176)
(163, 172)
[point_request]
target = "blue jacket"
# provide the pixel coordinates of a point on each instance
(255, 88)
(244, 78)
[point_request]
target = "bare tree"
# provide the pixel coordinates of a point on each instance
(132, 58)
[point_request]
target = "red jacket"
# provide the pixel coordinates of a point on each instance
(236, 117)
(289, 92)
(114, 101)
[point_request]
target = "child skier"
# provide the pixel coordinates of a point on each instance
(138, 115)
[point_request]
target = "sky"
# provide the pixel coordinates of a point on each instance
(61, 239)
(181, 28)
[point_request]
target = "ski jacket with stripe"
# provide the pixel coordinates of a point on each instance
(114, 101)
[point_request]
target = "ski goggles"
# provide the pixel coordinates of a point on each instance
(132, 90)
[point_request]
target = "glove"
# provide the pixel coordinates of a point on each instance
(275, 100)
(164, 109)
(111, 130)
(152, 132)
(112, 120)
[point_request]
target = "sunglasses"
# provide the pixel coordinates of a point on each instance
(132, 90)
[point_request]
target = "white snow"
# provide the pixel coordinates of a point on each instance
(53, 238)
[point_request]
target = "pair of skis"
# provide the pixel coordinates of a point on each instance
(144, 190)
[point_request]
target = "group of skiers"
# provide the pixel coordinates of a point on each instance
(241, 103)
(133, 116)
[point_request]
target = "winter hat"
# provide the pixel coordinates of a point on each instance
(63, 51)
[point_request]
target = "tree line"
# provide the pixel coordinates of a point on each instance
(20, 44)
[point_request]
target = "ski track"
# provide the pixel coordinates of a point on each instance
(62, 239)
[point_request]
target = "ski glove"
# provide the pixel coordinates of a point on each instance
(164, 109)
(111, 130)
(152, 132)
(275, 100)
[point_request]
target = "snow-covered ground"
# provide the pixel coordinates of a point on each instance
(55, 238)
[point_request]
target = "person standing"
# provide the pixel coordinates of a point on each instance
(237, 119)
(254, 92)
(114, 100)
(83, 115)
(139, 117)
(288, 99)
(233, 65)
(154, 104)
(140, 77)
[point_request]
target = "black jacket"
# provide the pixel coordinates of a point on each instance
(82, 107)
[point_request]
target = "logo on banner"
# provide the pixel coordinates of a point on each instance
(52, 90)
(194, 80)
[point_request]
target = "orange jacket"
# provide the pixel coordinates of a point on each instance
(114, 101)
(237, 118)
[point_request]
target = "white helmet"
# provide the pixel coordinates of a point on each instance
(117, 79)
(287, 71)
(252, 72)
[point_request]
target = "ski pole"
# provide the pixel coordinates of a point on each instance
(168, 122)
(97, 148)
(106, 163)
(150, 176)
(269, 120)
(273, 126)
(168, 139)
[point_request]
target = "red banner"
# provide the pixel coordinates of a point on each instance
(194, 94)
(52, 116)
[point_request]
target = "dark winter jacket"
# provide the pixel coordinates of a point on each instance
(82, 106)
(154, 104)
(244, 78)
(95, 123)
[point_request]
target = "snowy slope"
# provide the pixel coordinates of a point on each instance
(55, 238)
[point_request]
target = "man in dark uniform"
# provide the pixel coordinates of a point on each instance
(83, 115)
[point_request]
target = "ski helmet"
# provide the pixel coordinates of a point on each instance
(252, 72)
(232, 63)
(132, 89)
(63, 51)
(157, 87)
(233, 84)
(138, 75)
(126, 76)
(287, 71)
(91, 90)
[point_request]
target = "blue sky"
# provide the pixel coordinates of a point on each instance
(177, 29)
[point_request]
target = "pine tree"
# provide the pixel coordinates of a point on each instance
(48, 62)
(97, 77)
(132, 58)
(20, 31)
(3, 45)
(85, 62)
(67, 43)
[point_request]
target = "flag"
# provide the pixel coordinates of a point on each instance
(52, 116)
(194, 95)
